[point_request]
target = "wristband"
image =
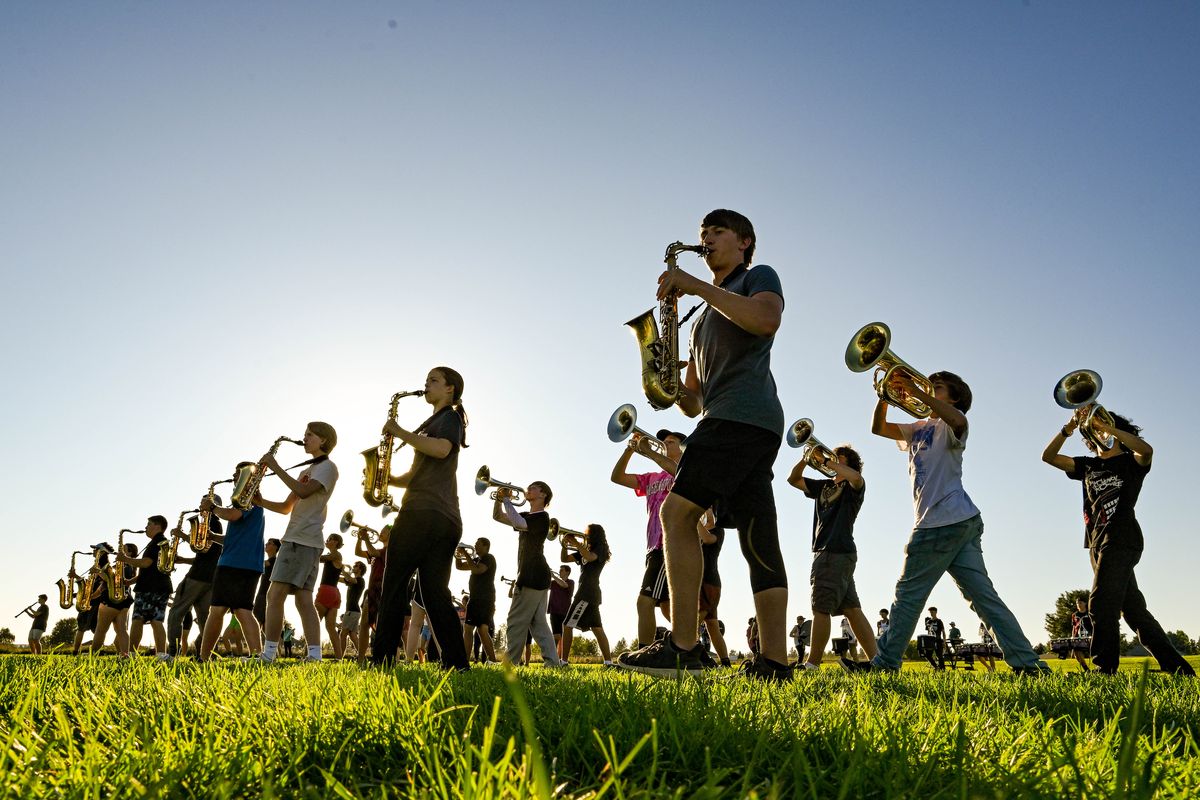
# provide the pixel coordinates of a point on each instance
(1066, 434)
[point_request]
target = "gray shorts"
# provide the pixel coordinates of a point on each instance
(350, 621)
(832, 580)
(297, 566)
(36, 634)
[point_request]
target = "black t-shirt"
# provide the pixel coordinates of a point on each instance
(1081, 624)
(354, 591)
(434, 482)
(532, 570)
(712, 556)
(41, 616)
(482, 587)
(836, 508)
(330, 573)
(205, 565)
(151, 579)
(589, 575)
(1110, 491)
(935, 627)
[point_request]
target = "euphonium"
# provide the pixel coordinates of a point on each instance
(870, 348)
(801, 435)
(378, 469)
(361, 531)
(1078, 390)
(71, 585)
(200, 536)
(659, 343)
(249, 478)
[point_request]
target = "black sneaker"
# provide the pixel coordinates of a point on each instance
(1031, 672)
(662, 659)
(764, 669)
(707, 660)
(725, 662)
(855, 667)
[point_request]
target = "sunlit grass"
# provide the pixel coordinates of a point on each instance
(107, 728)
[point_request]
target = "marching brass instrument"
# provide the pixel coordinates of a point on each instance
(250, 477)
(815, 454)
(168, 554)
(378, 469)
(361, 531)
(658, 342)
(483, 482)
(512, 585)
(466, 552)
(1078, 390)
(71, 585)
(200, 535)
(623, 424)
(870, 347)
(572, 540)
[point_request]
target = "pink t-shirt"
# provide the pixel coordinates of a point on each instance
(654, 486)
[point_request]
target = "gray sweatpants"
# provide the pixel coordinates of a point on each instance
(528, 613)
(189, 594)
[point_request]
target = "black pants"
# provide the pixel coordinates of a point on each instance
(1115, 592)
(425, 541)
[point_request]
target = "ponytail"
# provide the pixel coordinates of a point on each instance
(454, 378)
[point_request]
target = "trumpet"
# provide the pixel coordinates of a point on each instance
(167, 554)
(572, 540)
(1078, 390)
(250, 477)
(623, 424)
(870, 347)
(660, 350)
(200, 536)
(361, 531)
(483, 482)
(68, 587)
(378, 469)
(815, 454)
(512, 585)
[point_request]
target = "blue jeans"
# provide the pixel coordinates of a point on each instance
(931, 553)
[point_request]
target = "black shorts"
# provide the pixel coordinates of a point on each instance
(584, 614)
(654, 580)
(556, 622)
(86, 620)
(234, 588)
(480, 612)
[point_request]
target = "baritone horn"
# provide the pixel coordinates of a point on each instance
(658, 343)
(361, 531)
(1078, 390)
(623, 424)
(484, 481)
(815, 454)
(870, 347)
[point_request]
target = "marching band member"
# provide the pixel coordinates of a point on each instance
(355, 585)
(712, 538)
(730, 454)
(584, 613)
(1081, 628)
(1112, 480)
(40, 613)
(481, 608)
(299, 558)
(654, 486)
(114, 612)
(562, 587)
(194, 592)
(239, 570)
(428, 526)
(834, 553)
(264, 582)
(527, 613)
(376, 557)
(152, 591)
(948, 529)
(329, 598)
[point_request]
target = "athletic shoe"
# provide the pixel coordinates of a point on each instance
(725, 662)
(764, 669)
(855, 667)
(663, 659)
(806, 666)
(707, 660)
(1032, 672)
(166, 658)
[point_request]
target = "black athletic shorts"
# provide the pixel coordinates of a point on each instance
(480, 612)
(86, 620)
(584, 614)
(556, 623)
(234, 588)
(654, 580)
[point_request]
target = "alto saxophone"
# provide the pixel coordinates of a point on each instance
(167, 555)
(68, 587)
(378, 468)
(200, 536)
(249, 478)
(660, 351)
(114, 573)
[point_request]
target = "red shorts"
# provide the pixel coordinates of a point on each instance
(329, 596)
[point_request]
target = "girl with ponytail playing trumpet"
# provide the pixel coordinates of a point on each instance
(428, 526)
(591, 553)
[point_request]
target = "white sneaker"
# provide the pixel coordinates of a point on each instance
(166, 658)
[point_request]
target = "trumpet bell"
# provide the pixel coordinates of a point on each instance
(800, 432)
(1078, 389)
(347, 521)
(622, 423)
(483, 480)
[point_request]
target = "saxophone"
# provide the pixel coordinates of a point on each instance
(71, 585)
(378, 468)
(114, 573)
(200, 536)
(249, 478)
(660, 352)
(167, 555)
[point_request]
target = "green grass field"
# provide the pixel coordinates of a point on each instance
(105, 728)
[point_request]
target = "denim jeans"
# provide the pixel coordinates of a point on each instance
(931, 553)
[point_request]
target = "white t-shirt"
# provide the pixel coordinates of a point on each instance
(847, 631)
(306, 526)
(935, 457)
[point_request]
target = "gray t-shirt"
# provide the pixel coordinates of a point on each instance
(306, 525)
(434, 482)
(733, 365)
(935, 458)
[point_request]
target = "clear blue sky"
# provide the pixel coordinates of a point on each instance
(220, 223)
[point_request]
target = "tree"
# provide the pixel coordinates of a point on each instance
(7, 636)
(622, 646)
(1058, 622)
(583, 647)
(61, 635)
(1179, 640)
